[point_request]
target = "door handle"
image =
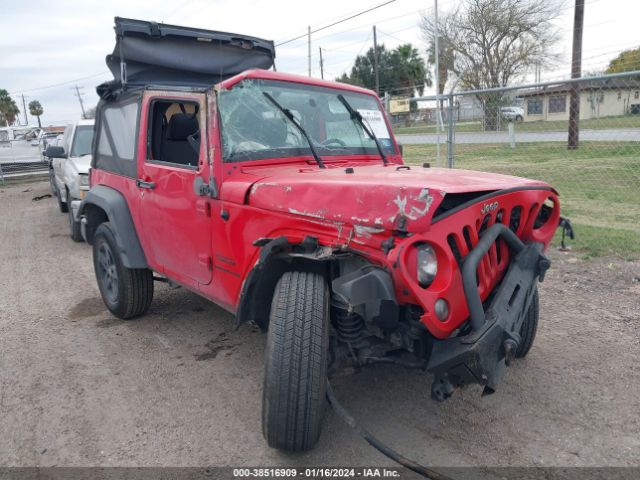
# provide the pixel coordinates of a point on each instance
(143, 184)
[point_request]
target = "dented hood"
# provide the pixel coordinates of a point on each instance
(373, 195)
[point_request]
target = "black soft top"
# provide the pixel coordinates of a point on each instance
(149, 53)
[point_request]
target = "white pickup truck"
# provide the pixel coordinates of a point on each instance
(69, 170)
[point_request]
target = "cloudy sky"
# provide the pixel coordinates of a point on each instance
(47, 47)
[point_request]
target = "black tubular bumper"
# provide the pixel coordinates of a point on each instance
(482, 355)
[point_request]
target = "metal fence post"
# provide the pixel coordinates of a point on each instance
(450, 131)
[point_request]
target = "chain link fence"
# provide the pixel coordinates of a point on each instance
(582, 136)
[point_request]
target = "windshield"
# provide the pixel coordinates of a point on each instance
(82, 141)
(253, 128)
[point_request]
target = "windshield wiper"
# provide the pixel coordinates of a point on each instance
(355, 115)
(292, 119)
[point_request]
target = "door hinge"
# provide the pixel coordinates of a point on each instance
(206, 261)
(203, 207)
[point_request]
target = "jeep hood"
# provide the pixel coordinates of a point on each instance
(376, 196)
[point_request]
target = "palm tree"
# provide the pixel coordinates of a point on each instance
(8, 109)
(35, 109)
(411, 71)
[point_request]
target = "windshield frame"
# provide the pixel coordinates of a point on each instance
(297, 154)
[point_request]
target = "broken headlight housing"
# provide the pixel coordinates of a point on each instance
(427, 265)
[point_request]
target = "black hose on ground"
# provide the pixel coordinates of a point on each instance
(377, 444)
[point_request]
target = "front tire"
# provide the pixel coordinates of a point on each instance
(74, 226)
(52, 183)
(295, 376)
(63, 206)
(529, 326)
(127, 292)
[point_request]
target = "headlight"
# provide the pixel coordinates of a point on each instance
(427, 265)
(83, 180)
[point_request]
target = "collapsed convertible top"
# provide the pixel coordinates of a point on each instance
(150, 53)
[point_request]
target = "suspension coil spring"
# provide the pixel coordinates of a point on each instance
(350, 327)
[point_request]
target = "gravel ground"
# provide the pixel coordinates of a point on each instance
(180, 387)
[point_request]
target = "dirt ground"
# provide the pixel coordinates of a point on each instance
(180, 387)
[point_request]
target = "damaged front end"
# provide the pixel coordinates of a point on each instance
(481, 355)
(449, 297)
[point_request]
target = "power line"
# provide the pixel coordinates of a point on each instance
(58, 84)
(335, 23)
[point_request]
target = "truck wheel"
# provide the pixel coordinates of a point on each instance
(293, 399)
(63, 206)
(529, 326)
(127, 292)
(74, 227)
(52, 184)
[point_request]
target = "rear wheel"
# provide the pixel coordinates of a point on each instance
(127, 292)
(529, 326)
(293, 400)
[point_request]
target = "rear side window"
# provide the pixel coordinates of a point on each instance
(117, 132)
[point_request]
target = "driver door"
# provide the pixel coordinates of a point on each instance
(176, 218)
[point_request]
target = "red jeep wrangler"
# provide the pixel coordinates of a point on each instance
(285, 200)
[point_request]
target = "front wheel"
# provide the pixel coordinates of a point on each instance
(63, 206)
(295, 376)
(74, 226)
(127, 292)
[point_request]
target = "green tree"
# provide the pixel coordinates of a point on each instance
(35, 109)
(8, 109)
(491, 43)
(400, 71)
(626, 61)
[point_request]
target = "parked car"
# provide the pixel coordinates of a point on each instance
(514, 114)
(46, 139)
(69, 171)
(285, 200)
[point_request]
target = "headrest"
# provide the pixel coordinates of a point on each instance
(181, 125)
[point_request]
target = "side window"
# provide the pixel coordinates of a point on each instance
(117, 131)
(534, 106)
(174, 133)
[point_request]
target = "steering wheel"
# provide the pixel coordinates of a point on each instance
(337, 141)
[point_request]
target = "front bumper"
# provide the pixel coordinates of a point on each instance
(482, 355)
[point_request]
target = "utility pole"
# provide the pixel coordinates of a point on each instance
(439, 122)
(77, 89)
(375, 60)
(24, 107)
(309, 36)
(576, 71)
(321, 65)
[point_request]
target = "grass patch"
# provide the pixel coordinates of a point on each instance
(599, 185)
(604, 123)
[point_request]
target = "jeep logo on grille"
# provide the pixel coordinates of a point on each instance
(488, 207)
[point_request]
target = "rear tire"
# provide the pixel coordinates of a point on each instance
(295, 376)
(127, 292)
(529, 326)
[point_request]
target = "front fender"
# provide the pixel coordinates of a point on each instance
(104, 203)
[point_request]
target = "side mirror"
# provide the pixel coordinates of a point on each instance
(53, 151)
(401, 147)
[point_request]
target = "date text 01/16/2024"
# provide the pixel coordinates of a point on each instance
(320, 472)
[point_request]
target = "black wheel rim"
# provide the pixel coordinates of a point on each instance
(107, 273)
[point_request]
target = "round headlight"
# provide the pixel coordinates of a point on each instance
(427, 265)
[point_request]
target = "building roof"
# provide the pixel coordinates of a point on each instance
(587, 85)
